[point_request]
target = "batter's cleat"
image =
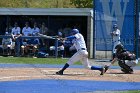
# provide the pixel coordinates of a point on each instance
(106, 67)
(59, 72)
(102, 71)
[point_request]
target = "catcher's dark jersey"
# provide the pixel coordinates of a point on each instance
(126, 55)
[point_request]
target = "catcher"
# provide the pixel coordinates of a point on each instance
(126, 60)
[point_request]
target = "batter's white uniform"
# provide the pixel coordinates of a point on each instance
(81, 54)
(116, 39)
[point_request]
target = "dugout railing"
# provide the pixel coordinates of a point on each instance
(31, 37)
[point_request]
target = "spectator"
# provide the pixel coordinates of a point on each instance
(60, 46)
(26, 31)
(15, 34)
(35, 29)
(9, 28)
(67, 31)
(43, 29)
(34, 43)
(16, 31)
(7, 44)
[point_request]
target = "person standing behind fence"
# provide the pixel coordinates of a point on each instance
(35, 41)
(26, 31)
(60, 46)
(44, 31)
(67, 30)
(9, 28)
(15, 31)
(7, 44)
(116, 38)
(15, 34)
(35, 29)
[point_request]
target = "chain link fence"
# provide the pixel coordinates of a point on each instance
(124, 13)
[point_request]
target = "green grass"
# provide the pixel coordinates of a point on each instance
(134, 91)
(27, 60)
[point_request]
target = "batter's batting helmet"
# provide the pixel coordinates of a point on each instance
(74, 31)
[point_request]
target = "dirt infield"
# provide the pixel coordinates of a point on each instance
(13, 74)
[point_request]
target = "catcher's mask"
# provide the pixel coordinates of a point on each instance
(119, 48)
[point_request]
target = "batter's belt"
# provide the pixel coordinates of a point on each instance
(82, 49)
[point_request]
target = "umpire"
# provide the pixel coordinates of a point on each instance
(116, 38)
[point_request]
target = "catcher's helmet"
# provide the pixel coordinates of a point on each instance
(74, 31)
(119, 48)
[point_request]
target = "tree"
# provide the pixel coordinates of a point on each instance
(82, 3)
(46, 3)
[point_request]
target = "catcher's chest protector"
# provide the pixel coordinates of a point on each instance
(127, 56)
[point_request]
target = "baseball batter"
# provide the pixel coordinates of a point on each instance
(116, 38)
(81, 53)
